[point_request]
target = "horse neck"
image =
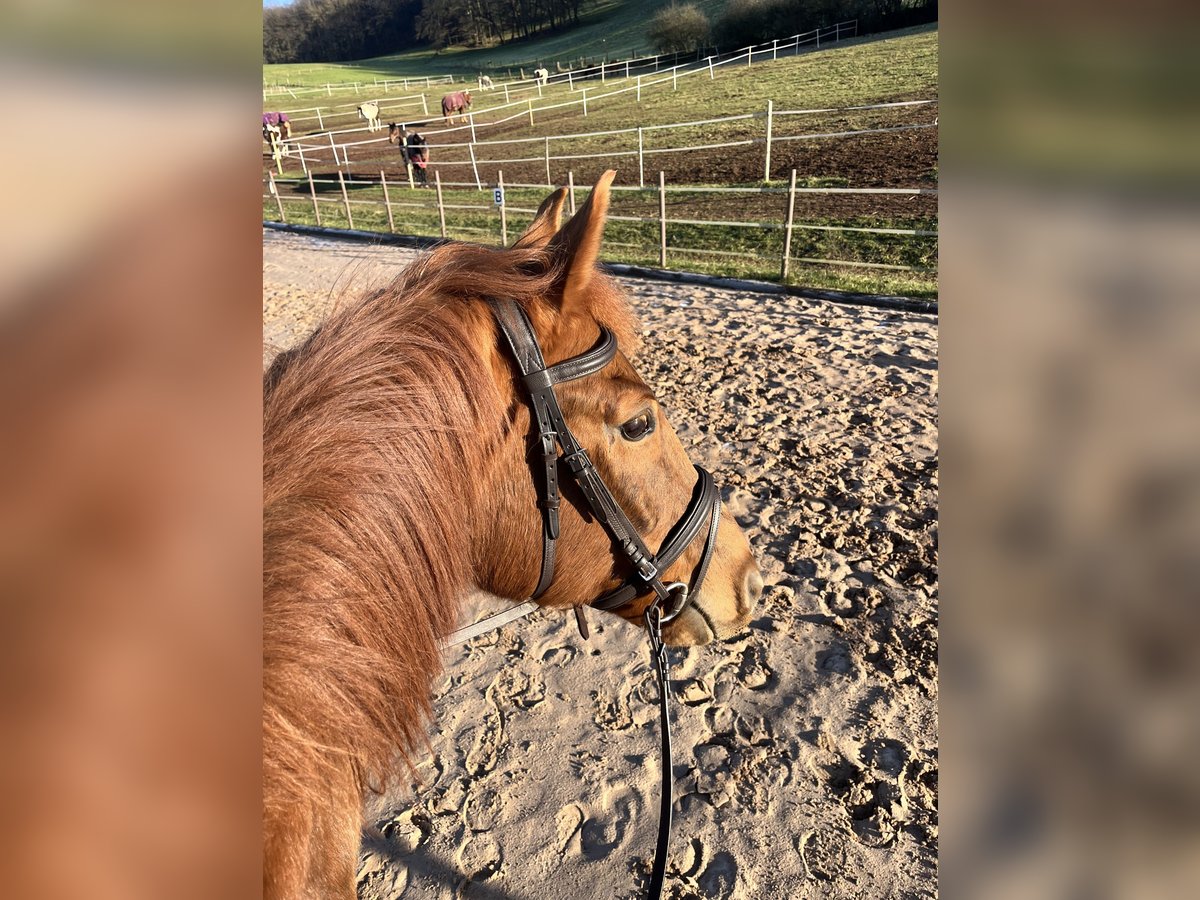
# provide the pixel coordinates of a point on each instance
(374, 433)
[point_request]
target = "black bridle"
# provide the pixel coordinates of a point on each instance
(670, 599)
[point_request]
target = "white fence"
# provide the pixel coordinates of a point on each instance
(308, 154)
(787, 222)
(356, 86)
(818, 37)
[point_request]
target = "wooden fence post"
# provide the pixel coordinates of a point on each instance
(818, 37)
(437, 182)
(320, 121)
(530, 112)
(303, 164)
(571, 189)
(787, 229)
(626, 68)
(345, 199)
(333, 147)
(675, 78)
(662, 219)
(471, 119)
(548, 181)
(506, 93)
(278, 199)
(312, 189)
(767, 155)
(585, 102)
(639, 89)
(424, 106)
(503, 212)
(641, 168)
(409, 166)
(775, 49)
(387, 201)
(711, 76)
(474, 167)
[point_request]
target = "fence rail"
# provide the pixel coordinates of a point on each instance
(618, 70)
(338, 152)
(787, 224)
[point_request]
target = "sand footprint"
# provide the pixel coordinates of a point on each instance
(485, 748)
(380, 878)
(518, 688)
(479, 859)
(559, 656)
(482, 808)
(600, 837)
(570, 822)
(612, 712)
(754, 672)
(720, 878)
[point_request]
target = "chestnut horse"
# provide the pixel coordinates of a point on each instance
(396, 480)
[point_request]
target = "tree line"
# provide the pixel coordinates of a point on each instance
(340, 30)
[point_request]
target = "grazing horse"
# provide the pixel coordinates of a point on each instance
(457, 102)
(370, 112)
(542, 75)
(397, 479)
(485, 83)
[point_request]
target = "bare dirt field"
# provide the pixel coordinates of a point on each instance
(806, 749)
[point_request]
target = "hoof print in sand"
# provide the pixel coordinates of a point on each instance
(612, 712)
(478, 860)
(825, 854)
(599, 837)
(380, 878)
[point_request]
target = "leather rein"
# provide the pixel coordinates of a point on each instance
(670, 599)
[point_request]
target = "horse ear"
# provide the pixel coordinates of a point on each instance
(545, 223)
(578, 244)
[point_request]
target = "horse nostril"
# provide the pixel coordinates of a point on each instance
(754, 585)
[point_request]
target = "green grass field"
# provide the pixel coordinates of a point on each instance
(901, 65)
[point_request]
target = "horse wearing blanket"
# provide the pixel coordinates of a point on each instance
(454, 104)
(277, 130)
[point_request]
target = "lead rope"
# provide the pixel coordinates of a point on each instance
(659, 660)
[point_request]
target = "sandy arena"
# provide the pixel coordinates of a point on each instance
(806, 750)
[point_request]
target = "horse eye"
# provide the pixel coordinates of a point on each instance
(638, 427)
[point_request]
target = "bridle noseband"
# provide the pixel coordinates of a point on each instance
(670, 599)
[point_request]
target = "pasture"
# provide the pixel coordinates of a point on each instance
(844, 240)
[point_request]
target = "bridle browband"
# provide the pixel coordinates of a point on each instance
(670, 599)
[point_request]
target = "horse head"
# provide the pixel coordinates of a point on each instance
(616, 418)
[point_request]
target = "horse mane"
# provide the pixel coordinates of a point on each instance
(375, 430)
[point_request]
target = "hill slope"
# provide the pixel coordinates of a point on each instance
(616, 28)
